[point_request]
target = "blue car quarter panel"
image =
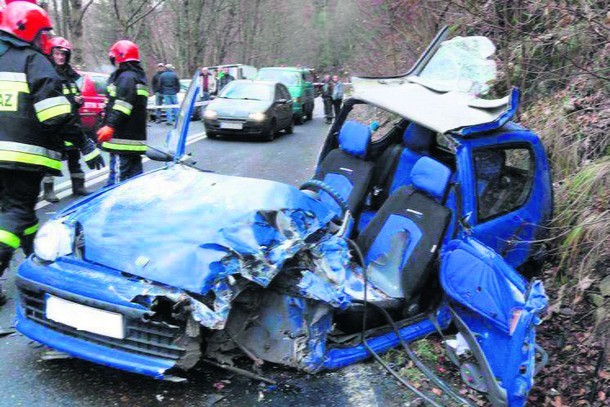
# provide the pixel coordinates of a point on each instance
(496, 306)
(511, 231)
(147, 347)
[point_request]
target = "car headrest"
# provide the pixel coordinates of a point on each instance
(417, 138)
(431, 177)
(354, 138)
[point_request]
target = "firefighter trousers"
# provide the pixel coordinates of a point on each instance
(122, 167)
(19, 192)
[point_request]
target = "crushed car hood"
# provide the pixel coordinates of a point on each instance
(173, 226)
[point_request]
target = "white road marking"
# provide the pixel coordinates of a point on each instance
(95, 177)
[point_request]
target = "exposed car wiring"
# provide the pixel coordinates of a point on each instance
(410, 353)
(365, 343)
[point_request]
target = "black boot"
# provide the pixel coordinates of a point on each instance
(49, 193)
(78, 185)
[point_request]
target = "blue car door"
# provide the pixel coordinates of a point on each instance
(506, 190)
(495, 310)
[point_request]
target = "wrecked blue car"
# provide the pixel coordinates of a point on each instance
(425, 215)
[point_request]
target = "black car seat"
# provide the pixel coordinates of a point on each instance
(400, 243)
(417, 141)
(346, 168)
(393, 167)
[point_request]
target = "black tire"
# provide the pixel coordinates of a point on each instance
(211, 134)
(290, 128)
(269, 135)
(298, 119)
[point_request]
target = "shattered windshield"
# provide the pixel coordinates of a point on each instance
(461, 64)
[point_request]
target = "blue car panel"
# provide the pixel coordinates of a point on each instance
(495, 309)
(509, 231)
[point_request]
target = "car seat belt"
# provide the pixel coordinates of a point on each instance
(380, 183)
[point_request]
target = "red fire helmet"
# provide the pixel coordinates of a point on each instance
(24, 20)
(124, 51)
(57, 42)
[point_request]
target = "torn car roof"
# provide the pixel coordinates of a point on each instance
(438, 111)
(442, 91)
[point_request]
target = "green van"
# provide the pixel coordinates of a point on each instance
(299, 82)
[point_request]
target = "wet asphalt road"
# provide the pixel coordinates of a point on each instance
(27, 380)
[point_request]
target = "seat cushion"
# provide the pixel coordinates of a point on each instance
(400, 243)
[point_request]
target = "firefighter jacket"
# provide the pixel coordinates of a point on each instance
(32, 109)
(73, 131)
(126, 109)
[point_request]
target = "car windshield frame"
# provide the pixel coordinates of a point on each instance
(175, 140)
(248, 91)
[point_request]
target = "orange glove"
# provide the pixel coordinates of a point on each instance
(105, 134)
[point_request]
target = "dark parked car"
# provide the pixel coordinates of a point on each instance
(259, 108)
(430, 217)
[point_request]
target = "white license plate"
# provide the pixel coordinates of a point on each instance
(230, 125)
(85, 318)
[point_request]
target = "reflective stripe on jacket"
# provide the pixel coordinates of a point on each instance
(126, 110)
(32, 109)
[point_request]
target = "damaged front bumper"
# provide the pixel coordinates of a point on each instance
(150, 347)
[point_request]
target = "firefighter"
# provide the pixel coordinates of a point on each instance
(59, 51)
(32, 113)
(123, 133)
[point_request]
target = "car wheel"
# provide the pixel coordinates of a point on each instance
(211, 134)
(298, 119)
(310, 112)
(290, 128)
(269, 135)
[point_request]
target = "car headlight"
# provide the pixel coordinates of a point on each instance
(54, 239)
(210, 114)
(257, 117)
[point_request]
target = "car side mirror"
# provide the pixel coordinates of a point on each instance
(158, 155)
(281, 101)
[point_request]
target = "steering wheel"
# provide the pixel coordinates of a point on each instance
(316, 185)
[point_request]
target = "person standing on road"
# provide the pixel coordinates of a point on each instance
(123, 133)
(170, 86)
(337, 94)
(32, 114)
(59, 51)
(224, 77)
(327, 98)
(207, 84)
(156, 88)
